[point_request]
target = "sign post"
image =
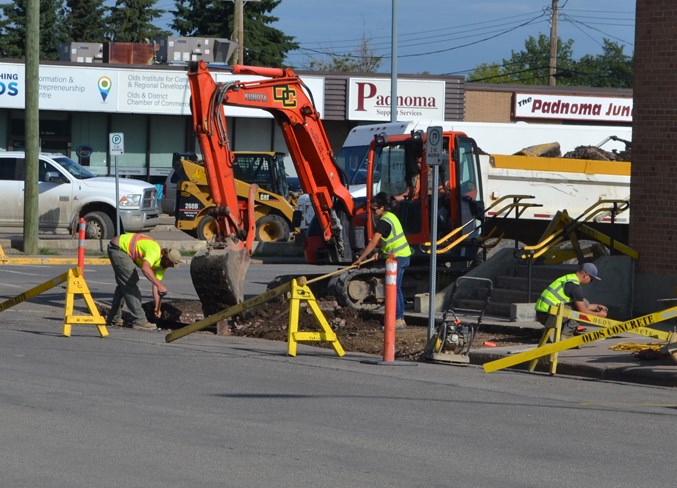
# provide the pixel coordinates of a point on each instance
(434, 149)
(116, 142)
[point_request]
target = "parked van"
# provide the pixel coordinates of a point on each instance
(68, 191)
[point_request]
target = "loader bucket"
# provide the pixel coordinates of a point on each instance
(218, 275)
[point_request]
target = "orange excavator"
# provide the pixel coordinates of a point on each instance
(341, 226)
(218, 272)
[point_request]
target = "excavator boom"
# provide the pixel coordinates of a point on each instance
(283, 94)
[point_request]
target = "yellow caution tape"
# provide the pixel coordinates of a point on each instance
(587, 338)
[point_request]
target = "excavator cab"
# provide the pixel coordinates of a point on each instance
(398, 163)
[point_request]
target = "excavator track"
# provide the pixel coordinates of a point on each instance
(363, 288)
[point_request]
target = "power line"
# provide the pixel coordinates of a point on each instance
(437, 51)
(577, 22)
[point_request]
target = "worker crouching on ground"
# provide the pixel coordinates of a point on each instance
(568, 289)
(126, 253)
(390, 235)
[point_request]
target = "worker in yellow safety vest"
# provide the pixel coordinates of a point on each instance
(390, 236)
(568, 289)
(126, 253)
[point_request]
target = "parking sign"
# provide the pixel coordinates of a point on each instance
(117, 143)
(434, 146)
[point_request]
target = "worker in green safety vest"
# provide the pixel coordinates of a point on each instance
(390, 236)
(568, 289)
(127, 252)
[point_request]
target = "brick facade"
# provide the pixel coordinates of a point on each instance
(483, 106)
(654, 152)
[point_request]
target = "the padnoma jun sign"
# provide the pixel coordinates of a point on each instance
(570, 107)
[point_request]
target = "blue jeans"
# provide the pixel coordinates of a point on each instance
(402, 264)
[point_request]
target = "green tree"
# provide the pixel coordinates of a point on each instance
(530, 66)
(130, 21)
(86, 20)
(264, 45)
(364, 61)
(13, 29)
(611, 69)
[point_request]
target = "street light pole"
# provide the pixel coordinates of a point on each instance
(393, 66)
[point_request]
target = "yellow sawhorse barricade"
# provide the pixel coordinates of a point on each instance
(611, 328)
(562, 313)
(300, 292)
(76, 285)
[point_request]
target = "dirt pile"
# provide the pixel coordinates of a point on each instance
(597, 154)
(357, 331)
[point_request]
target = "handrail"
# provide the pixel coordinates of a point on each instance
(563, 224)
(516, 204)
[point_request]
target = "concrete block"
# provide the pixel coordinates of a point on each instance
(522, 312)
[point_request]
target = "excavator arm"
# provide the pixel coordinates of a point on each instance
(284, 95)
(218, 272)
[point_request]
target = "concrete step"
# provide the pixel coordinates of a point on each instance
(543, 271)
(494, 309)
(520, 283)
(508, 295)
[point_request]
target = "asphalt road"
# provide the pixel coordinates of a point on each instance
(206, 411)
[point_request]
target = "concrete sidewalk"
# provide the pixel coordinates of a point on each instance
(165, 233)
(594, 360)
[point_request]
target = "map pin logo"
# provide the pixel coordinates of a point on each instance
(105, 84)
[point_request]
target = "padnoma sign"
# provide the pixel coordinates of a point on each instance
(370, 99)
(565, 107)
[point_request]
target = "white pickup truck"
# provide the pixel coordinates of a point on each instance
(68, 191)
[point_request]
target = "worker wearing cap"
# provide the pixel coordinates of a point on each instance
(568, 289)
(126, 253)
(391, 237)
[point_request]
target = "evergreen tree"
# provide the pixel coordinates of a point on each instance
(13, 29)
(264, 45)
(86, 20)
(130, 21)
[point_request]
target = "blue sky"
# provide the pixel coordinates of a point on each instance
(446, 36)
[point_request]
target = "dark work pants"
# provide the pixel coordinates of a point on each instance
(127, 279)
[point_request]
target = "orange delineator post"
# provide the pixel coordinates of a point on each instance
(390, 308)
(81, 245)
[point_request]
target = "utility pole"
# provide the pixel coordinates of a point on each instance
(238, 30)
(552, 65)
(32, 127)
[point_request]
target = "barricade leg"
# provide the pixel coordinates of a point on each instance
(547, 333)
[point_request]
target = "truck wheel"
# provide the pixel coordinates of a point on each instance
(272, 228)
(98, 225)
(206, 229)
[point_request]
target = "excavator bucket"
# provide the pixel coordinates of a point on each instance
(218, 274)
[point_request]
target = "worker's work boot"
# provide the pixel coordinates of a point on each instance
(400, 324)
(145, 326)
(118, 322)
